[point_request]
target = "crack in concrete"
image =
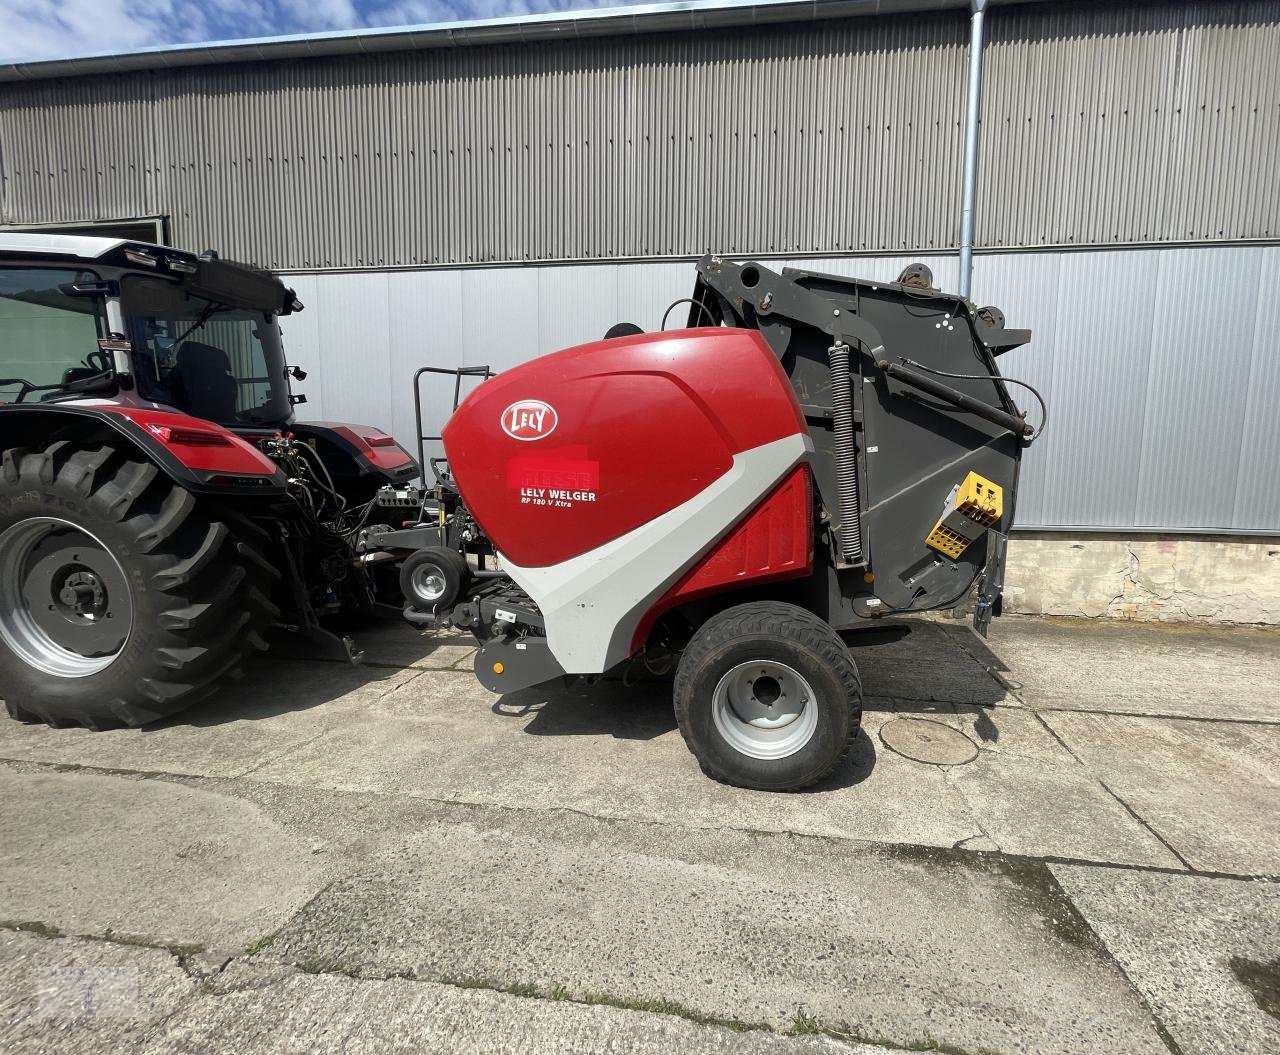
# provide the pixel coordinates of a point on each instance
(802, 1024)
(1161, 715)
(464, 804)
(181, 952)
(1010, 687)
(962, 844)
(1081, 921)
(967, 802)
(289, 749)
(183, 955)
(1142, 821)
(1104, 712)
(1145, 824)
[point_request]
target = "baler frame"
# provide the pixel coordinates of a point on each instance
(753, 296)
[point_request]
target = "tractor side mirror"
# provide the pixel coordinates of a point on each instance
(297, 373)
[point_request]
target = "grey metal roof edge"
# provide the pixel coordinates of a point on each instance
(617, 21)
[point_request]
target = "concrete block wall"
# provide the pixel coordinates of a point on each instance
(1151, 578)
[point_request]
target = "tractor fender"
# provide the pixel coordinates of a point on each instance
(196, 454)
(358, 455)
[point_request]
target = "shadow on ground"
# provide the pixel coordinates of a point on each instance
(635, 712)
(274, 686)
(912, 668)
(640, 711)
(925, 667)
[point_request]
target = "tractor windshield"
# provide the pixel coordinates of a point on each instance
(48, 333)
(213, 360)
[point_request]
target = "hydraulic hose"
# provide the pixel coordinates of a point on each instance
(963, 400)
(850, 531)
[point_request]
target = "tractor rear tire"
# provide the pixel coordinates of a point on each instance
(123, 597)
(767, 697)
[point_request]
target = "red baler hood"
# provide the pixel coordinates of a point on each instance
(567, 452)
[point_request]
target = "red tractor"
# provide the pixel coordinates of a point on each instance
(160, 508)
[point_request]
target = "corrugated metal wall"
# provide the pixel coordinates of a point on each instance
(1105, 123)
(1161, 366)
(1130, 122)
(1162, 369)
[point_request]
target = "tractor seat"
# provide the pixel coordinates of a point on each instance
(206, 386)
(623, 329)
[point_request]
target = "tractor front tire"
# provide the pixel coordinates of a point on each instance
(123, 598)
(767, 697)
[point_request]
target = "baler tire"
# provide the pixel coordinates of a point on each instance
(454, 574)
(789, 638)
(197, 588)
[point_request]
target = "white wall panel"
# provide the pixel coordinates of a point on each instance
(500, 316)
(576, 304)
(645, 291)
(353, 375)
(1206, 306)
(426, 328)
(1257, 503)
(1026, 288)
(1161, 366)
(1101, 350)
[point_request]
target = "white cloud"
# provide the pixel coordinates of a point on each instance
(52, 29)
(409, 12)
(47, 28)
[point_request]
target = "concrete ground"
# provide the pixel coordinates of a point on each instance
(1063, 839)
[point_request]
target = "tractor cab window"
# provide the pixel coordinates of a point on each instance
(212, 360)
(48, 335)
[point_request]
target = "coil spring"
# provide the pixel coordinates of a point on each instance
(850, 535)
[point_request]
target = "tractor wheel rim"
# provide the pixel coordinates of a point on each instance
(428, 583)
(765, 709)
(66, 608)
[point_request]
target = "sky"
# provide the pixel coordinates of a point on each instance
(58, 29)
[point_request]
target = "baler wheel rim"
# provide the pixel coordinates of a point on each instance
(432, 579)
(756, 724)
(787, 636)
(428, 582)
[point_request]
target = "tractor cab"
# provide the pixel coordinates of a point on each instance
(161, 512)
(85, 318)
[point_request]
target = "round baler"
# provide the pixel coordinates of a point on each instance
(809, 453)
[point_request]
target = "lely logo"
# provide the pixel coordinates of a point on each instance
(529, 419)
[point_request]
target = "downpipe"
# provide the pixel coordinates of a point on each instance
(973, 110)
